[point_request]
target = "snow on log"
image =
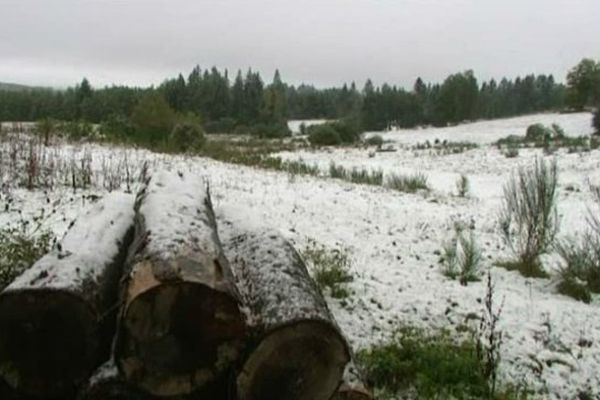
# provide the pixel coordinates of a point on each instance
(353, 386)
(57, 319)
(181, 326)
(108, 384)
(299, 353)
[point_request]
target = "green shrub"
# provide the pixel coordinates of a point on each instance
(407, 183)
(537, 133)
(333, 133)
(323, 135)
(528, 218)
(330, 267)
(348, 131)
(596, 121)
(432, 366)
(186, 136)
(375, 140)
(222, 125)
(19, 250)
(271, 130)
(76, 130)
(462, 258)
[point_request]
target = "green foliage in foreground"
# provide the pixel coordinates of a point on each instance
(427, 366)
(19, 250)
(330, 267)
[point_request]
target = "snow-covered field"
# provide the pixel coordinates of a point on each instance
(551, 342)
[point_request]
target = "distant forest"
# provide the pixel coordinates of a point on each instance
(226, 104)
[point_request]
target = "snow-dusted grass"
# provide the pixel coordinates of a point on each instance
(551, 342)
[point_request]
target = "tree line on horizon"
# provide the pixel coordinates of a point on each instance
(247, 104)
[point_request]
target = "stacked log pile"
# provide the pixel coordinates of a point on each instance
(147, 298)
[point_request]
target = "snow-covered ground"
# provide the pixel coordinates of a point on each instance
(482, 132)
(551, 342)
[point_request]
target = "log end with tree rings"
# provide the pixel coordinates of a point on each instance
(303, 360)
(48, 341)
(178, 337)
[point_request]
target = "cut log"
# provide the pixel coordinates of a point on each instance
(108, 384)
(181, 326)
(57, 319)
(353, 386)
(299, 353)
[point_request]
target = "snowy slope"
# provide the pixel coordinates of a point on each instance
(552, 343)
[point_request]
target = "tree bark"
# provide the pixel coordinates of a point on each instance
(57, 319)
(181, 327)
(298, 352)
(353, 386)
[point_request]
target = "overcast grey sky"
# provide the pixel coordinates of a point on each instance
(326, 42)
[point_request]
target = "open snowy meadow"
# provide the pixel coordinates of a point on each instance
(394, 240)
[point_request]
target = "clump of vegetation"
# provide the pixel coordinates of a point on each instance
(580, 272)
(366, 177)
(375, 140)
(330, 267)
(489, 339)
(77, 130)
(426, 366)
(463, 186)
(46, 128)
(21, 245)
(407, 183)
(300, 168)
(333, 133)
(462, 258)
(511, 152)
(528, 218)
(186, 136)
(338, 171)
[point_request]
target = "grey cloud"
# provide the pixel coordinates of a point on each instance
(326, 42)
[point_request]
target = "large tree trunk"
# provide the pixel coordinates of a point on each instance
(353, 386)
(57, 319)
(181, 327)
(299, 353)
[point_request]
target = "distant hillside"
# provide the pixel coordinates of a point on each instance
(15, 87)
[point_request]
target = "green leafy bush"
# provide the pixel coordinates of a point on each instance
(375, 140)
(537, 133)
(323, 135)
(186, 136)
(19, 250)
(271, 130)
(432, 366)
(333, 133)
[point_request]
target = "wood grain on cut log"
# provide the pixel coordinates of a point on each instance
(299, 353)
(57, 319)
(353, 386)
(181, 326)
(108, 384)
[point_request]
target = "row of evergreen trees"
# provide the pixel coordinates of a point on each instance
(224, 104)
